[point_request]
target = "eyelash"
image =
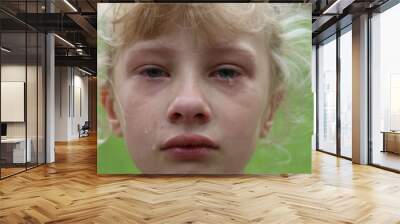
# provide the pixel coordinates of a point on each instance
(234, 73)
(145, 72)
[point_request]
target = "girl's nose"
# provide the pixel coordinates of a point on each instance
(189, 107)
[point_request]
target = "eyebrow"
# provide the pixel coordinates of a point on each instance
(166, 50)
(245, 55)
(152, 48)
(233, 50)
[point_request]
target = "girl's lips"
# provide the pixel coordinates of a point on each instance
(189, 147)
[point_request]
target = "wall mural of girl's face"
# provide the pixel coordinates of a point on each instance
(189, 107)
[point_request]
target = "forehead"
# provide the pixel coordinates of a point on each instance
(178, 40)
(206, 21)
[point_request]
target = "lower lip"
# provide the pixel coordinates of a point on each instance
(192, 153)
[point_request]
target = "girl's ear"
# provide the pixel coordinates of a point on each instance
(274, 102)
(107, 100)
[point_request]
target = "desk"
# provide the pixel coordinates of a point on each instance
(391, 141)
(16, 147)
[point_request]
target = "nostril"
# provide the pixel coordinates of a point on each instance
(200, 117)
(175, 116)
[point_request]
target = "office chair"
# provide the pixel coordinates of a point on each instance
(84, 130)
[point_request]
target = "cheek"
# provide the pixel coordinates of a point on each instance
(141, 113)
(137, 98)
(239, 118)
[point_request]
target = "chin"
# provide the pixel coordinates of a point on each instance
(192, 169)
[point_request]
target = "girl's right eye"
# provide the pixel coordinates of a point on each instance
(153, 72)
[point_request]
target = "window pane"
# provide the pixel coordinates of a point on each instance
(327, 96)
(346, 94)
(386, 89)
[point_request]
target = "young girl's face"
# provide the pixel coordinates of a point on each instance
(188, 106)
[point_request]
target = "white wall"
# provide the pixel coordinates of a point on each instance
(61, 103)
(71, 87)
(80, 89)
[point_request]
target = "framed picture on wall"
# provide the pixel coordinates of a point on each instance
(12, 101)
(187, 89)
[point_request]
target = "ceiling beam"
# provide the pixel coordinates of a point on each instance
(337, 6)
(82, 61)
(84, 24)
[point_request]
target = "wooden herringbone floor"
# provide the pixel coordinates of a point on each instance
(69, 191)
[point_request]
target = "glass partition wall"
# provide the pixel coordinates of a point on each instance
(22, 88)
(334, 107)
(13, 110)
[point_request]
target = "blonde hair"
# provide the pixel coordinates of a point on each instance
(122, 24)
(288, 42)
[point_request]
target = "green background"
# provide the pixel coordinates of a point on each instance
(288, 146)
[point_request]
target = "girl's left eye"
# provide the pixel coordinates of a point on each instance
(153, 72)
(226, 73)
